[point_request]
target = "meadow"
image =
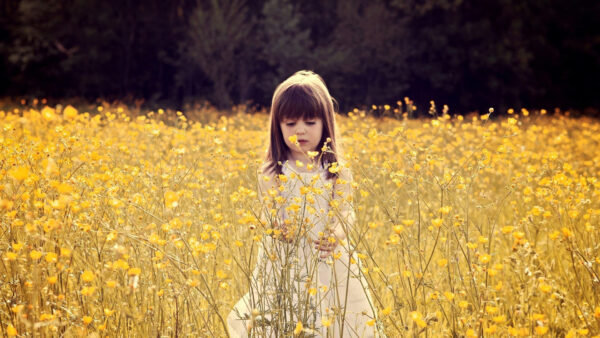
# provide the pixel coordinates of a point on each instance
(119, 222)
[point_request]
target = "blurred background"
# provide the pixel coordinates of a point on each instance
(468, 54)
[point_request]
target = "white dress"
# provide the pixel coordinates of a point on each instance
(290, 282)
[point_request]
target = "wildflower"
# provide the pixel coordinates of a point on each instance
(554, 235)
(70, 112)
(417, 318)
(10, 256)
(545, 287)
(51, 257)
(11, 331)
(408, 222)
(491, 329)
(19, 173)
(499, 319)
(88, 290)
(134, 271)
(491, 309)
(35, 255)
(88, 276)
(298, 328)
(567, 233)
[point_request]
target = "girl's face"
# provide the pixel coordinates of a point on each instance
(308, 131)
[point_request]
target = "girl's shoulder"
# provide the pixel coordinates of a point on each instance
(267, 169)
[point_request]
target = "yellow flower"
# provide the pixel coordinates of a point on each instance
(398, 229)
(541, 330)
(11, 331)
(51, 257)
(567, 232)
(70, 112)
(298, 328)
(88, 276)
(35, 255)
(87, 320)
(554, 235)
(10, 256)
(17, 308)
(19, 173)
(417, 317)
(583, 332)
(326, 322)
(491, 329)
(88, 290)
(499, 319)
(437, 222)
(134, 271)
(545, 287)
(442, 262)
(485, 258)
(491, 309)
(64, 252)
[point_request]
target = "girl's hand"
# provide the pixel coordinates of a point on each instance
(326, 246)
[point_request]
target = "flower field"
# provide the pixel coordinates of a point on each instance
(123, 223)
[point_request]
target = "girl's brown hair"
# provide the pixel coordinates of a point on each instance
(303, 95)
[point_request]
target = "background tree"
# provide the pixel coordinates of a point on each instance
(217, 36)
(465, 53)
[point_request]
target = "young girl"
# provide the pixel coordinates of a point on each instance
(307, 280)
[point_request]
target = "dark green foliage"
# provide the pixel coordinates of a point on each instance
(466, 53)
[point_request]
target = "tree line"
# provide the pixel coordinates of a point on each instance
(465, 53)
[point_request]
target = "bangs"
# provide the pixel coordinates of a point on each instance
(299, 102)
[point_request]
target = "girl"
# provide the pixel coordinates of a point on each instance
(307, 280)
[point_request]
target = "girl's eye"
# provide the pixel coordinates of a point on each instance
(290, 124)
(310, 123)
